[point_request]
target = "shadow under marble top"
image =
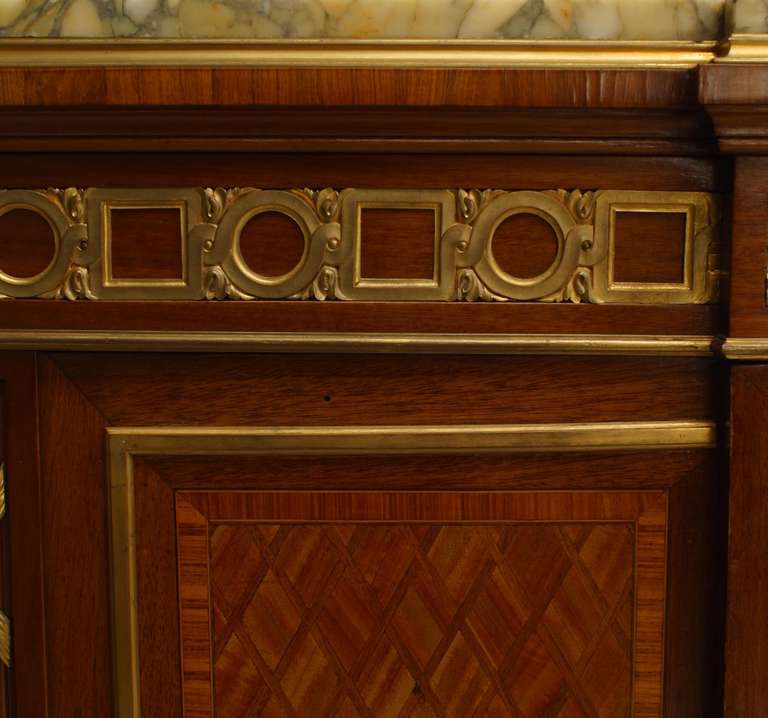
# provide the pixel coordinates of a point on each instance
(363, 19)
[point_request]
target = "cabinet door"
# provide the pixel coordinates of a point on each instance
(376, 536)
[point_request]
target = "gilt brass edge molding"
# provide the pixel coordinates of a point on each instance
(125, 442)
(212, 267)
(171, 52)
(744, 48)
(310, 440)
(745, 349)
(5, 624)
(123, 592)
(2, 491)
(5, 640)
(354, 343)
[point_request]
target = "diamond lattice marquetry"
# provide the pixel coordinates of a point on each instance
(422, 620)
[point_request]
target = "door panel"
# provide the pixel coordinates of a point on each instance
(575, 579)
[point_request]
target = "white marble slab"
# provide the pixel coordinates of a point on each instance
(749, 16)
(358, 19)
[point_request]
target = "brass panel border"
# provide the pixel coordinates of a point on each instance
(108, 280)
(97, 265)
(5, 640)
(440, 286)
(438, 53)
(5, 623)
(123, 443)
(2, 491)
(700, 258)
(363, 343)
(687, 284)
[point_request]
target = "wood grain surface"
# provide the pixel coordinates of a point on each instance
(146, 243)
(31, 670)
(398, 243)
(27, 243)
(313, 621)
(748, 312)
(271, 244)
(671, 132)
(650, 247)
(362, 170)
(746, 658)
(266, 390)
(317, 87)
(736, 99)
(405, 317)
(74, 505)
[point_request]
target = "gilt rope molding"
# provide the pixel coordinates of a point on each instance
(465, 269)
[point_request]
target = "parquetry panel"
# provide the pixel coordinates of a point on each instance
(455, 618)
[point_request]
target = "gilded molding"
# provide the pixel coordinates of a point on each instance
(358, 343)
(5, 624)
(170, 52)
(5, 640)
(745, 349)
(64, 210)
(744, 48)
(465, 269)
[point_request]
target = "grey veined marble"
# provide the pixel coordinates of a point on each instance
(534, 19)
(749, 16)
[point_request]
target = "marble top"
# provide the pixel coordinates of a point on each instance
(689, 20)
(749, 16)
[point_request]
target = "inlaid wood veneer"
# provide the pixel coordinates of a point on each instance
(387, 604)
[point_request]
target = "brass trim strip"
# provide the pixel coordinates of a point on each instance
(745, 349)
(125, 442)
(5, 640)
(2, 491)
(193, 441)
(172, 52)
(351, 342)
(744, 48)
(5, 623)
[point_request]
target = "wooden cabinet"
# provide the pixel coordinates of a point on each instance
(334, 401)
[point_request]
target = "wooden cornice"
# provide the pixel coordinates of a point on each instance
(611, 131)
(574, 110)
(735, 96)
